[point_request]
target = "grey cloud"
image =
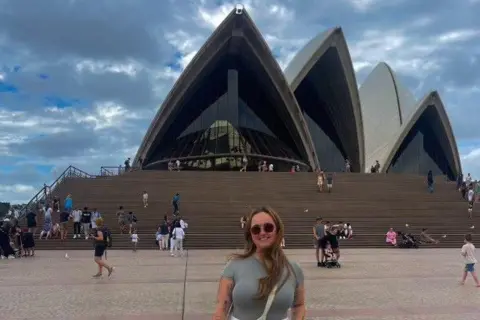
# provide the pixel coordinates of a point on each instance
(26, 175)
(464, 114)
(458, 70)
(65, 82)
(114, 30)
(76, 142)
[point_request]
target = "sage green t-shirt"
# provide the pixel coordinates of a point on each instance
(245, 275)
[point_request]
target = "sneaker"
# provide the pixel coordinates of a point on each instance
(110, 271)
(86, 238)
(11, 257)
(319, 264)
(3, 257)
(98, 275)
(74, 236)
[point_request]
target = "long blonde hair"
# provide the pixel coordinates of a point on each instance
(274, 260)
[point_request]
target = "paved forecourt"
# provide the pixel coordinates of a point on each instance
(373, 284)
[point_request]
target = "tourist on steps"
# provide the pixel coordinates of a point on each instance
(330, 182)
(347, 165)
(163, 235)
(86, 220)
(95, 215)
(175, 203)
(132, 221)
(261, 293)
(145, 199)
(391, 237)
(76, 215)
(122, 220)
(425, 238)
(320, 180)
(471, 200)
(243, 221)
(68, 206)
(430, 181)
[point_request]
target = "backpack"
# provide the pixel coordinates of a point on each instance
(107, 237)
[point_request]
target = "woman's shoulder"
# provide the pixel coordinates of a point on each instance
(236, 264)
(297, 272)
(295, 266)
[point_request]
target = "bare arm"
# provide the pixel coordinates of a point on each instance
(315, 233)
(298, 308)
(224, 299)
(99, 236)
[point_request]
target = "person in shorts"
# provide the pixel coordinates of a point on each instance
(100, 247)
(468, 253)
(320, 243)
(32, 222)
(132, 221)
(330, 183)
(64, 216)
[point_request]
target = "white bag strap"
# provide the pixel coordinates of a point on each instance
(268, 305)
(270, 299)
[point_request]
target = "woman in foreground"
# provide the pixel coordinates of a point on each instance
(261, 283)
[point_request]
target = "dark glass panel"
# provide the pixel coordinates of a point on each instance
(325, 100)
(330, 157)
(424, 149)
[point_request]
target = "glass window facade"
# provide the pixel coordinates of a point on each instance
(226, 130)
(325, 100)
(425, 148)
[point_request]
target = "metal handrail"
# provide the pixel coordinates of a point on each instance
(106, 171)
(42, 194)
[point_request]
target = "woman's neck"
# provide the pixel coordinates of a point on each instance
(259, 254)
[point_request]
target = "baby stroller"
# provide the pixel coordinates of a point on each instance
(408, 241)
(330, 259)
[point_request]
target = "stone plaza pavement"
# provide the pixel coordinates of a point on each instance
(373, 284)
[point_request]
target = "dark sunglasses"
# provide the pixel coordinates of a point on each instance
(267, 227)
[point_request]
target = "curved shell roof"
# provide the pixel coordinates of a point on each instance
(384, 110)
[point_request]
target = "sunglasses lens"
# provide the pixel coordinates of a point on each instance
(268, 227)
(256, 229)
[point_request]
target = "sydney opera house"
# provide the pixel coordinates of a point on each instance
(233, 99)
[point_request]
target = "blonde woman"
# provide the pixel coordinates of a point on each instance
(261, 283)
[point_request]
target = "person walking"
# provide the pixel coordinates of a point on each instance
(100, 244)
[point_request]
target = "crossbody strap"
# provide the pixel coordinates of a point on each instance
(269, 303)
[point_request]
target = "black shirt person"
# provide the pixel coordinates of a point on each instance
(86, 219)
(31, 221)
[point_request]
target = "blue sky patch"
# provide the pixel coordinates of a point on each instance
(5, 87)
(60, 102)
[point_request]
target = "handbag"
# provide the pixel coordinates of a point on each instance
(268, 305)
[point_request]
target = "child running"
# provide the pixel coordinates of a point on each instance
(135, 239)
(468, 253)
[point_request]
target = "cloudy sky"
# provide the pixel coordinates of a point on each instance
(80, 80)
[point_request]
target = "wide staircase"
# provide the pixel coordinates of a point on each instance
(213, 202)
